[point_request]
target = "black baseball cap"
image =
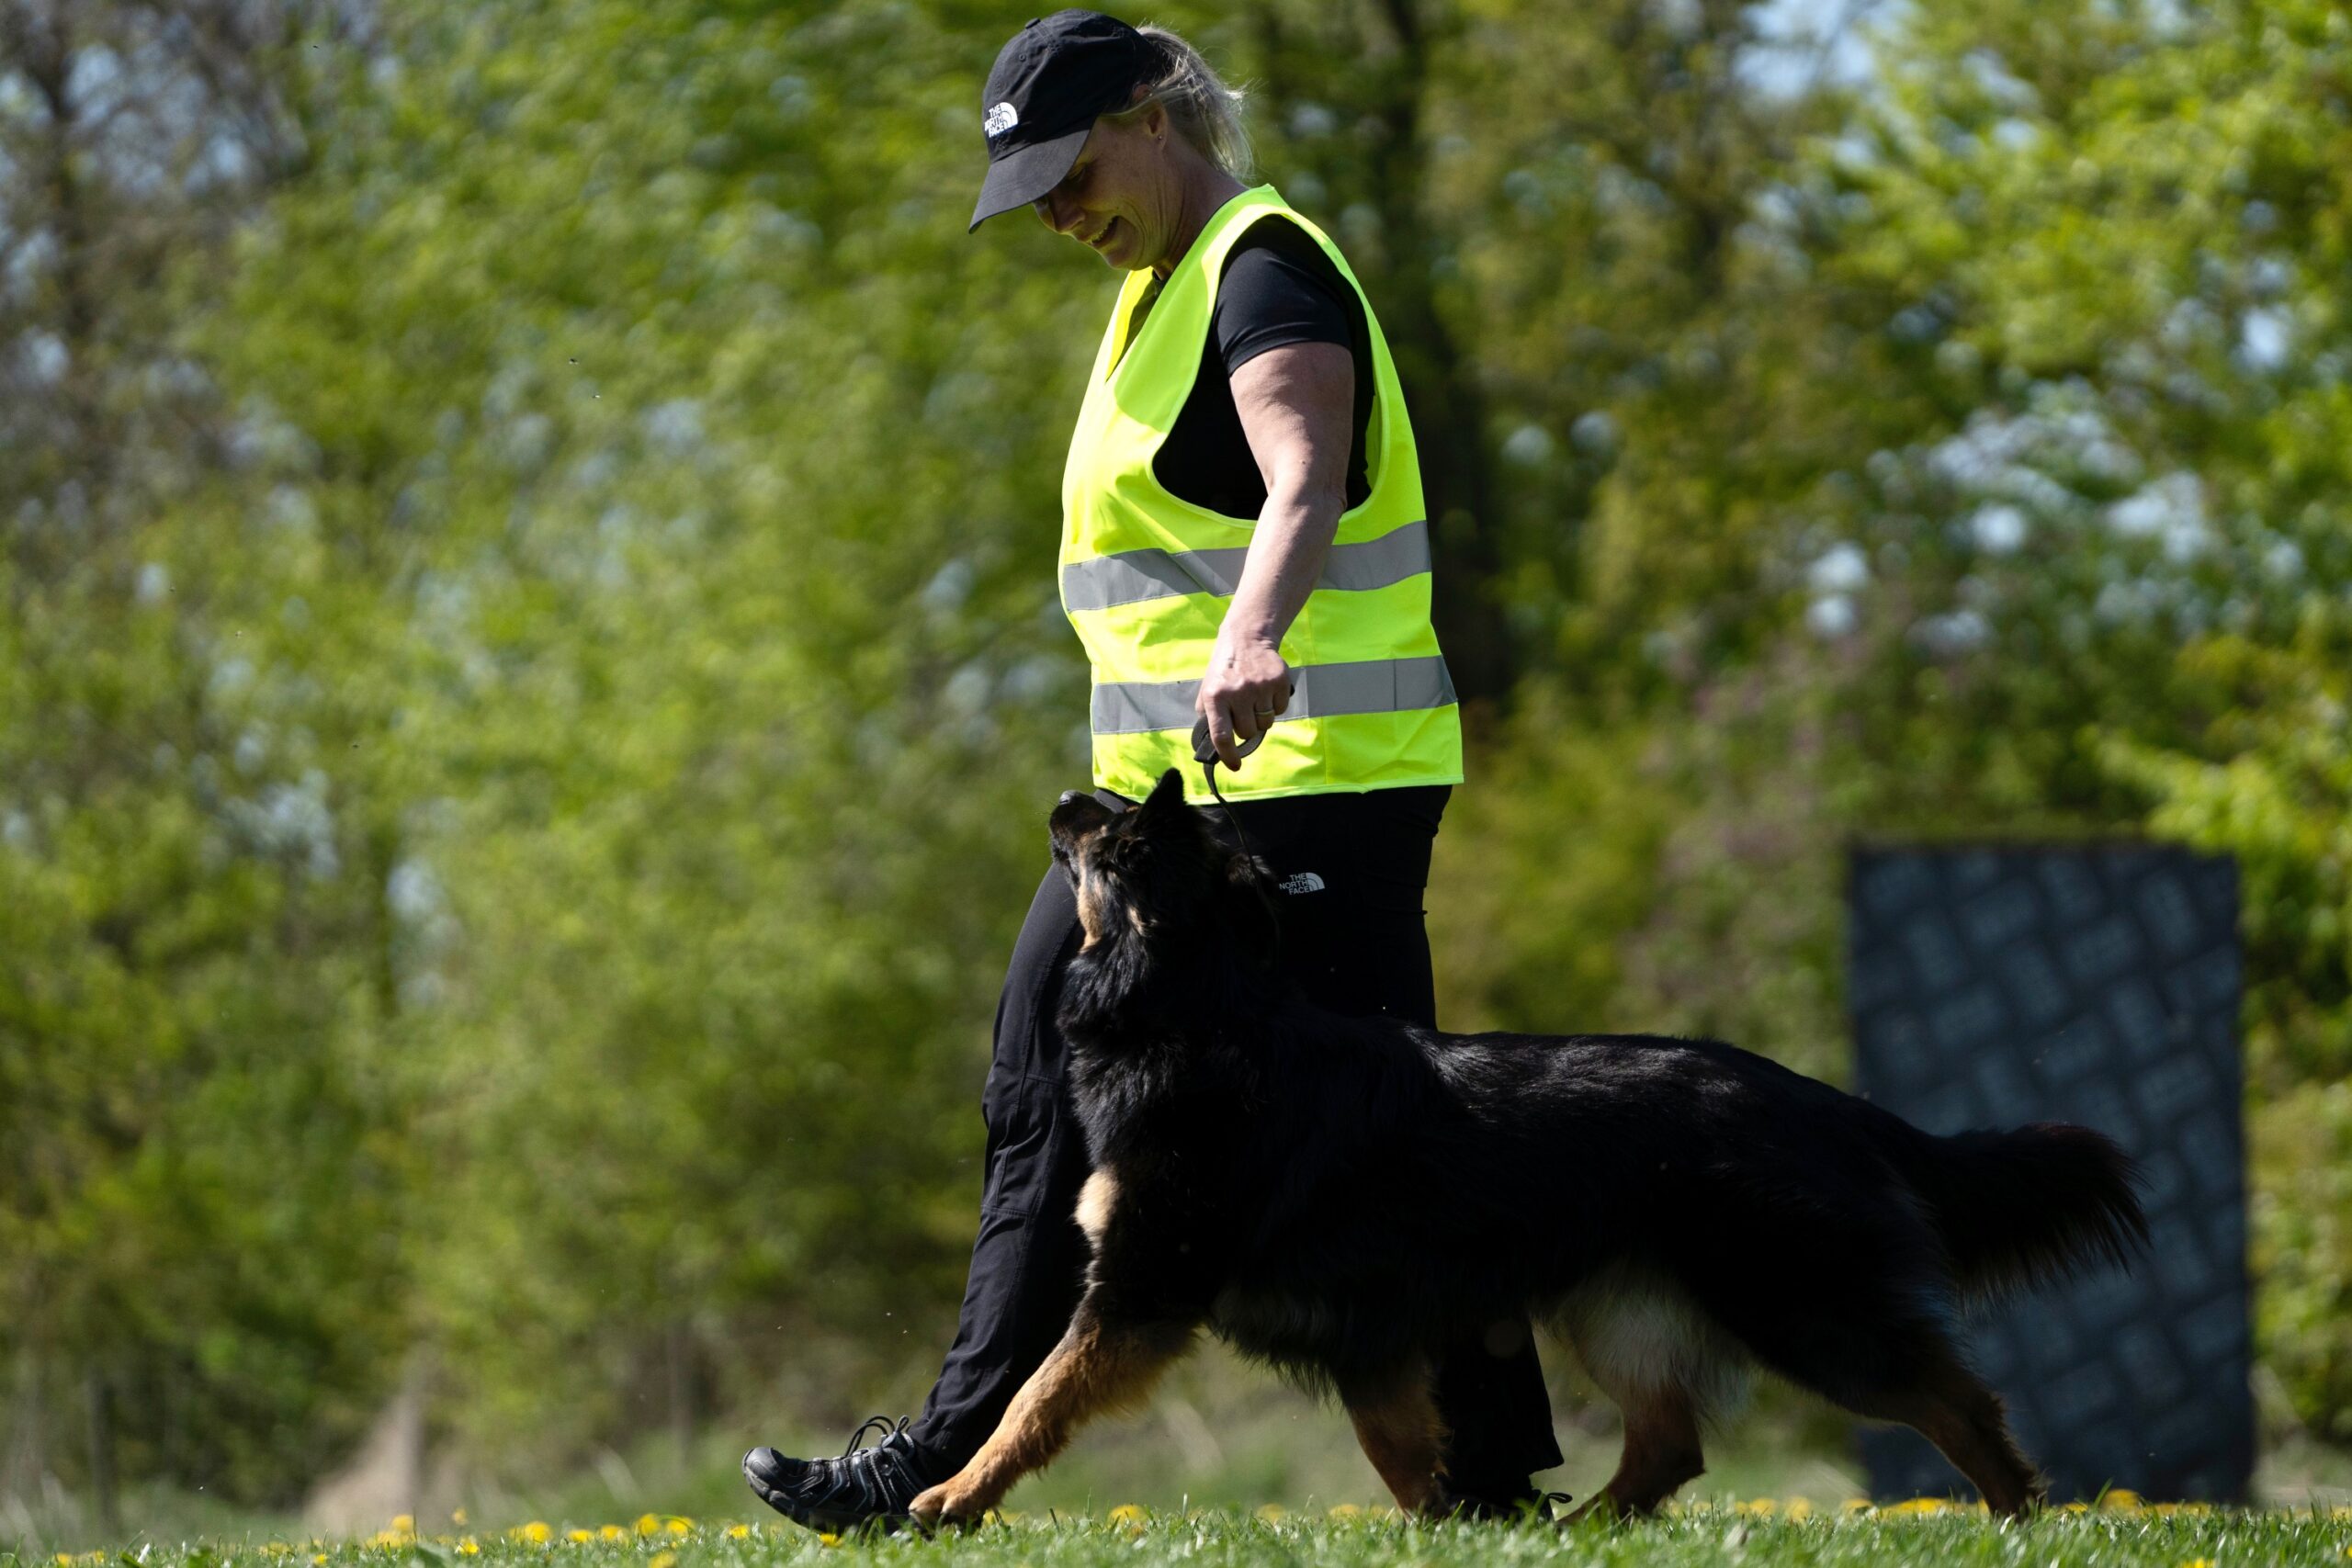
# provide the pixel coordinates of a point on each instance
(1048, 85)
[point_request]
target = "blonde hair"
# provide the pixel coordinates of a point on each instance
(1205, 112)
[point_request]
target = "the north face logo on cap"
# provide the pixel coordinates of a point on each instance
(1000, 120)
(1302, 882)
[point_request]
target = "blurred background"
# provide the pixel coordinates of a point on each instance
(530, 677)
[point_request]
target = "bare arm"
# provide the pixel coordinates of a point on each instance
(1297, 408)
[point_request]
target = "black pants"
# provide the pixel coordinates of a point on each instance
(1355, 867)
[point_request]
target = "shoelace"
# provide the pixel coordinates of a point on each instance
(857, 1439)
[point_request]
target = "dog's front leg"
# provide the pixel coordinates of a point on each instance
(1102, 1364)
(1397, 1424)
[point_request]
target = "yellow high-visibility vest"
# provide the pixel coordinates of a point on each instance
(1146, 578)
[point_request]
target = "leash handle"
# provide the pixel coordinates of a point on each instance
(1205, 755)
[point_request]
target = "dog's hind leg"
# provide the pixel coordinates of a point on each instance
(1887, 1351)
(1397, 1424)
(1952, 1409)
(1101, 1365)
(1662, 1450)
(1664, 1365)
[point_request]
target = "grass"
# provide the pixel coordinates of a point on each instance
(2119, 1534)
(1219, 1442)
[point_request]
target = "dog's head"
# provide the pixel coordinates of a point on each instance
(1160, 875)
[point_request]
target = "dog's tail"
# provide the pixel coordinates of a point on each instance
(2027, 1207)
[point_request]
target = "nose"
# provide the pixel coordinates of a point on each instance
(1049, 212)
(1071, 794)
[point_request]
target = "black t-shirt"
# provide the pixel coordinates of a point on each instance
(1278, 288)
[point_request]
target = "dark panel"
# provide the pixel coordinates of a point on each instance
(1996, 987)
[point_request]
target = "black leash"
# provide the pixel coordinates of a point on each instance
(1205, 755)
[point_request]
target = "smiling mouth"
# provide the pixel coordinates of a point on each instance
(1101, 234)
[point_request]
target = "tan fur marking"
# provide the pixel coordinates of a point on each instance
(1095, 1202)
(1965, 1419)
(1662, 1452)
(1090, 905)
(1401, 1433)
(1095, 1370)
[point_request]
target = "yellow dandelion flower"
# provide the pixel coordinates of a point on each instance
(737, 1532)
(1756, 1507)
(404, 1522)
(827, 1538)
(66, 1557)
(1855, 1505)
(612, 1532)
(458, 1517)
(469, 1548)
(648, 1524)
(2119, 1500)
(2199, 1562)
(1125, 1514)
(1798, 1509)
(677, 1524)
(318, 1560)
(1918, 1506)
(581, 1534)
(663, 1560)
(1273, 1513)
(1343, 1511)
(536, 1532)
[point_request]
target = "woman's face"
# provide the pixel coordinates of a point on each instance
(1122, 197)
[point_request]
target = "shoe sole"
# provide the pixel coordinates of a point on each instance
(819, 1519)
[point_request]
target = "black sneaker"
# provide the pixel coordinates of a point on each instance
(864, 1486)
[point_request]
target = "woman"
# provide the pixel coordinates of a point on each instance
(1243, 542)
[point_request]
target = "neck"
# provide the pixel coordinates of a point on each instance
(1126, 992)
(1206, 188)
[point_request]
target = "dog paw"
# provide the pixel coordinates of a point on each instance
(946, 1505)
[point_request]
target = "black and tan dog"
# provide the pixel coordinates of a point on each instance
(1336, 1196)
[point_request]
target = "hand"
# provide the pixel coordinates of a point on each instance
(1247, 685)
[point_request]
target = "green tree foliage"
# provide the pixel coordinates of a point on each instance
(2072, 556)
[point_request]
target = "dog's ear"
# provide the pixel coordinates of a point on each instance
(1166, 799)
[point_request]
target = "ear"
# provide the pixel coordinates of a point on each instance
(1167, 795)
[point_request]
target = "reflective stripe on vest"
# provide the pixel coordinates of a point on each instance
(1376, 685)
(1133, 576)
(1146, 577)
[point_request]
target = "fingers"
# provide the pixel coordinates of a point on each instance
(1221, 737)
(1239, 711)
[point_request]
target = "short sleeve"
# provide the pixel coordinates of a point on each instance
(1277, 287)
